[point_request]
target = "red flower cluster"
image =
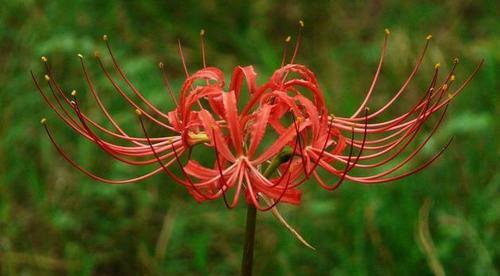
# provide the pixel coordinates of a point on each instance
(266, 140)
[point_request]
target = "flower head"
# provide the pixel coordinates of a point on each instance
(263, 148)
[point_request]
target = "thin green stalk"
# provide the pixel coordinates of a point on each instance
(247, 262)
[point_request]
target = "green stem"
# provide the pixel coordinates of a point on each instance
(247, 262)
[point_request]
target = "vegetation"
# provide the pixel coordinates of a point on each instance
(55, 220)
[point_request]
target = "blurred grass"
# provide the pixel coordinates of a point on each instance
(53, 220)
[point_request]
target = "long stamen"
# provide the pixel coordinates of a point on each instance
(73, 123)
(360, 153)
(127, 98)
(296, 49)
(127, 81)
(75, 127)
(111, 149)
(411, 133)
(375, 77)
(158, 159)
(285, 50)
(166, 82)
(186, 72)
(416, 170)
(344, 173)
(347, 168)
(407, 82)
(373, 179)
(58, 101)
(202, 39)
(297, 42)
(397, 122)
(49, 77)
(423, 114)
(96, 96)
(183, 60)
(413, 154)
(87, 172)
(439, 104)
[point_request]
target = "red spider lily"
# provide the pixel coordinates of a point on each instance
(290, 108)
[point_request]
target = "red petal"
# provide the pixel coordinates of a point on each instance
(233, 121)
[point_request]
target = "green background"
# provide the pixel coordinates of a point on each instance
(54, 220)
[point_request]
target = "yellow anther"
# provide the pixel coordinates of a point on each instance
(452, 78)
(80, 56)
(450, 96)
(387, 32)
(367, 109)
(138, 112)
(72, 102)
(47, 78)
(44, 59)
(428, 37)
(97, 54)
(73, 93)
(301, 23)
(445, 87)
(288, 38)
(160, 64)
(455, 60)
(105, 37)
(43, 121)
(202, 32)
(196, 138)
(437, 65)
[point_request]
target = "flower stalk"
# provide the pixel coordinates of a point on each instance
(247, 262)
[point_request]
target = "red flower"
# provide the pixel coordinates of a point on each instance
(238, 126)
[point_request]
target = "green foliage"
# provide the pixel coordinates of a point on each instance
(53, 220)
